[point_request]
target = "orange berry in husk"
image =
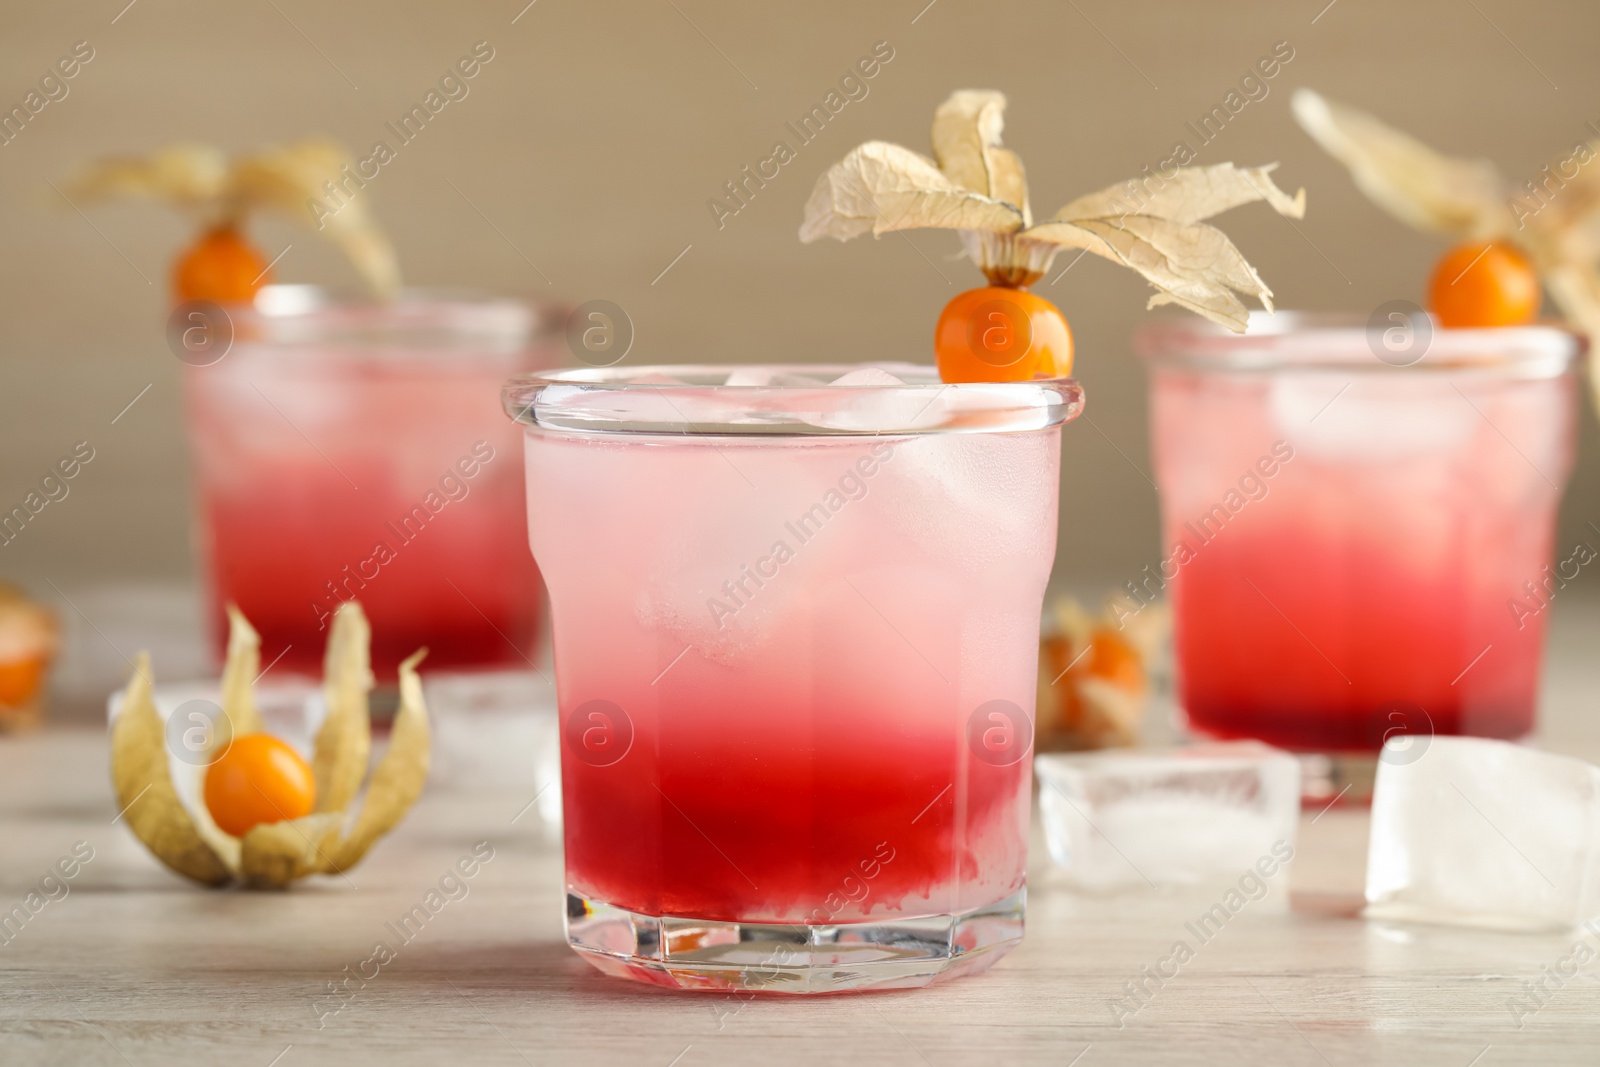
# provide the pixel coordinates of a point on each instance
(222, 267)
(1483, 284)
(1001, 334)
(259, 779)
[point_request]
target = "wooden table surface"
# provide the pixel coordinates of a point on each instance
(136, 967)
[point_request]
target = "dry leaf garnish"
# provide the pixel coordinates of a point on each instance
(1469, 199)
(1094, 676)
(201, 180)
(275, 854)
(1155, 225)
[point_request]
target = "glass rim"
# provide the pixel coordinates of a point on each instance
(1320, 341)
(415, 320)
(696, 400)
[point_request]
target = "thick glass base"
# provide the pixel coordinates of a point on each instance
(1345, 777)
(734, 957)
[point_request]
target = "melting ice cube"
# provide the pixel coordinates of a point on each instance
(1203, 814)
(1484, 833)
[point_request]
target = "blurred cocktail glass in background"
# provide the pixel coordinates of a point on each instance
(1358, 523)
(356, 450)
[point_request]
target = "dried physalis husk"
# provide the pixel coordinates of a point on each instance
(1154, 224)
(150, 805)
(344, 742)
(1469, 200)
(276, 854)
(1093, 684)
(287, 181)
(398, 781)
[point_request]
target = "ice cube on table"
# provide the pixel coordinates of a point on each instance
(496, 731)
(1484, 833)
(1200, 814)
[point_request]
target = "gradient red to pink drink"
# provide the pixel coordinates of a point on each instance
(359, 453)
(770, 651)
(1354, 548)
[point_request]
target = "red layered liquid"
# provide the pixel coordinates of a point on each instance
(290, 551)
(780, 823)
(1313, 644)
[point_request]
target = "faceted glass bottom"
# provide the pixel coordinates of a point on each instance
(731, 957)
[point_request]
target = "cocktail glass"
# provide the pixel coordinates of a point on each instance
(354, 450)
(1358, 525)
(796, 642)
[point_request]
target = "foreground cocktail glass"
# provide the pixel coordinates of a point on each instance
(796, 642)
(1357, 524)
(355, 451)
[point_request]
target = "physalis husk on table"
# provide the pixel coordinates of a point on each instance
(329, 840)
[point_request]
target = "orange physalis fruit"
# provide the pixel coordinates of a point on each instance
(1002, 334)
(21, 679)
(259, 779)
(1483, 284)
(222, 267)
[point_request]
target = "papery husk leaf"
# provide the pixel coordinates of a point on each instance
(1421, 187)
(275, 854)
(240, 714)
(1194, 266)
(189, 176)
(1564, 228)
(289, 179)
(880, 187)
(1576, 290)
(1190, 194)
(966, 145)
(143, 781)
(1111, 715)
(398, 781)
(344, 743)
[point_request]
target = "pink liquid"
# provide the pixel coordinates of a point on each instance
(800, 754)
(396, 482)
(1369, 584)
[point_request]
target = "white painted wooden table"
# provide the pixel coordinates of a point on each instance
(134, 966)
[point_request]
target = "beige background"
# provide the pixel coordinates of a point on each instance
(598, 132)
